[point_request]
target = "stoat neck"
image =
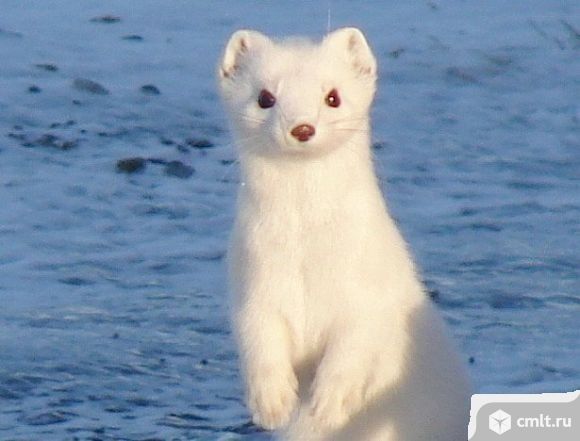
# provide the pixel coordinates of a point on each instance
(328, 178)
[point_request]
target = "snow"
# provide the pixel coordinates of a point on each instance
(113, 321)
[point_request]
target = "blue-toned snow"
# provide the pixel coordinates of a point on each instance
(113, 320)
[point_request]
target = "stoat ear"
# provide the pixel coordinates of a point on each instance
(353, 43)
(240, 44)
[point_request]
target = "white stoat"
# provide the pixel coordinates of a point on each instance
(337, 338)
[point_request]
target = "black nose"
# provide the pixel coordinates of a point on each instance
(303, 132)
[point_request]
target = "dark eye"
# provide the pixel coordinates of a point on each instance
(266, 99)
(333, 98)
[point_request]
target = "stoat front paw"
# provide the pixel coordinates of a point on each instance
(334, 399)
(272, 397)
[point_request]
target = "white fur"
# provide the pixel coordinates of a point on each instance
(336, 337)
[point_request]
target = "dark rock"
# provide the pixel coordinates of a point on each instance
(34, 89)
(132, 37)
(467, 212)
(142, 402)
(158, 161)
(199, 143)
(396, 53)
(117, 409)
(485, 226)
(47, 140)
(17, 136)
(178, 169)
(434, 294)
(248, 428)
(150, 89)
(500, 60)
(131, 165)
(48, 418)
(50, 140)
(69, 123)
(462, 75)
(503, 301)
(113, 134)
(76, 281)
(90, 86)
(574, 33)
(7, 394)
(184, 422)
(10, 34)
(199, 114)
(434, 6)
(47, 67)
(67, 145)
(107, 19)
(379, 145)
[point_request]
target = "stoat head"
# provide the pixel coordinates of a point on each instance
(296, 97)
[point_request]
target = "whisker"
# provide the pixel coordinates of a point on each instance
(349, 144)
(348, 119)
(242, 140)
(250, 118)
(283, 116)
(352, 130)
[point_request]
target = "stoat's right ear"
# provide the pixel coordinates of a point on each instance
(352, 43)
(240, 44)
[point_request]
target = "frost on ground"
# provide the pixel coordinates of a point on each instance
(117, 182)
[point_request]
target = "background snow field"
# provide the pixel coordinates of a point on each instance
(113, 323)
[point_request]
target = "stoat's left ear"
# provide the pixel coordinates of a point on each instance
(353, 43)
(241, 44)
